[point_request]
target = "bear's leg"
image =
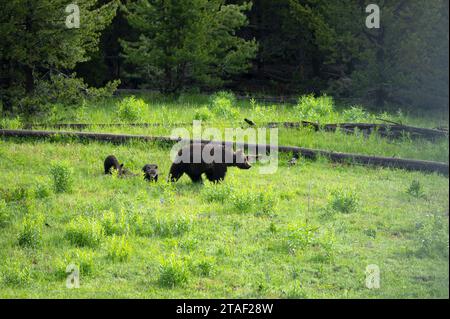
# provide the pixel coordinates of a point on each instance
(196, 178)
(176, 171)
(216, 176)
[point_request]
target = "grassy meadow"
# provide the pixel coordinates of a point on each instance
(306, 231)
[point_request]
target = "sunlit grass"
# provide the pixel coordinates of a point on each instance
(181, 242)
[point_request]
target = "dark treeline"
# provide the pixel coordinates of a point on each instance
(284, 47)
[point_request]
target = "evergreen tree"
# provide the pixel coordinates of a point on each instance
(37, 45)
(404, 62)
(187, 43)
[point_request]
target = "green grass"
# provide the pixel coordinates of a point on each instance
(306, 231)
(195, 244)
(188, 108)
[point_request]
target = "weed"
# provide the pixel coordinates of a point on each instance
(83, 259)
(17, 194)
(222, 105)
(11, 124)
(250, 200)
(62, 174)
(131, 109)
(172, 272)
(300, 236)
(41, 191)
(171, 226)
(4, 214)
(355, 114)
(433, 237)
(30, 234)
(15, 274)
(118, 248)
(203, 114)
(217, 192)
(83, 232)
(295, 291)
(344, 201)
(416, 189)
(115, 224)
(312, 108)
(204, 266)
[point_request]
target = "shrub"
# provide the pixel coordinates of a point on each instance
(327, 242)
(115, 224)
(84, 232)
(14, 195)
(243, 201)
(303, 236)
(62, 174)
(266, 203)
(4, 214)
(82, 259)
(344, 201)
(295, 291)
(222, 105)
(171, 226)
(11, 124)
(204, 266)
(249, 200)
(172, 272)
(119, 248)
(355, 114)
(433, 237)
(312, 108)
(217, 192)
(300, 236)
(131, 109)
(415, 189)
(15, 274)
(228, 95)
(203, 114)
(30, 233)
(42, 190)
(138, 225)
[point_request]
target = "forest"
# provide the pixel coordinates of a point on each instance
(273, 48)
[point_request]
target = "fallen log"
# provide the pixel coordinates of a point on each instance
(407, 164)
(81, 126)
(385, 130)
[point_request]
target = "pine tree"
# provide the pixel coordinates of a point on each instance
(187, 43)
(404, 62)
(37, 44)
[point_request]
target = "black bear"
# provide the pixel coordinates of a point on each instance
(150, 172)
(211, 159)
(111, 163)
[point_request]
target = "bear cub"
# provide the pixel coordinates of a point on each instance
(151, 172)
(212, 160)
(111, 163)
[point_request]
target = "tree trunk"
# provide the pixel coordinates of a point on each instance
(29, 79)
(380, 98)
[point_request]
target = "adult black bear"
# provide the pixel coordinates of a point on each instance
(150, 172)
(111, 163)
(211, 159)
